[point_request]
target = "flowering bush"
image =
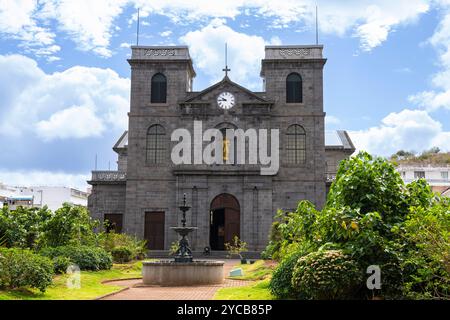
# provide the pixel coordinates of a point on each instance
(326, 275)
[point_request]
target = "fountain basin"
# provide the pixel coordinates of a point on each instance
(171, 274)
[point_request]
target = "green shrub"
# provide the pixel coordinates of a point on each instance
(122, 254)
(60, 264)
(326, 275)
(111, 240)
(378, 220)
(281, 282)
(23, 268)
(85, 257)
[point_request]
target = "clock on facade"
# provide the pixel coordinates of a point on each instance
(226, 100)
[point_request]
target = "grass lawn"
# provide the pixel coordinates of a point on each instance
(260, 273)
(91, 285)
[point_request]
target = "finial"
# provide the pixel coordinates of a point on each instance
(184, 199)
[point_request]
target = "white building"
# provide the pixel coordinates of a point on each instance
(52, 197)
(436, 176)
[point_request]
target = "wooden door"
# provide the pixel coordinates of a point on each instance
(154, 230)
(232, 217)
(232, 224)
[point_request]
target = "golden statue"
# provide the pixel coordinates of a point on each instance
(226, 149)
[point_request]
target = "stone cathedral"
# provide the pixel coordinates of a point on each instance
(143, 195)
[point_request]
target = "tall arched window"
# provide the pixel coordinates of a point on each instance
(294, 88)
(156, 144)
(296, 144)
(159, 88)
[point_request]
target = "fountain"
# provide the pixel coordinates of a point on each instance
(183, 270)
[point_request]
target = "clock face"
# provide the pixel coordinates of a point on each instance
(226, 100)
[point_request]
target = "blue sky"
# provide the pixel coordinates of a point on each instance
(64, 79)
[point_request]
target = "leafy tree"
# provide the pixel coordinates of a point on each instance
(22, 227)
(369, 185)
(69, 225)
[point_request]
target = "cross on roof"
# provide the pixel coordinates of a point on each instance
(226, 61)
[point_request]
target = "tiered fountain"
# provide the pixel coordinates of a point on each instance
(183, 270)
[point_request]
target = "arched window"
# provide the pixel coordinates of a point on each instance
(294, 88)
(296, 144)
(156, 144)
(159, 88)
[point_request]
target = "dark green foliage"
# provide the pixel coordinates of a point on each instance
(426, 235)
(85, 257)
(34, 228)
(60, 264)
(121, 254)
(22, 268)
(376, 219)
(22, 227)
(281, 282)
(369, 184)
(325, 275)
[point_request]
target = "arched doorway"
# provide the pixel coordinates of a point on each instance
(225, 221)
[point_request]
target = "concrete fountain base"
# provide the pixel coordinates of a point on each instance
(172, 274)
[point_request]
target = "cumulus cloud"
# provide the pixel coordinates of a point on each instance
(76, 103)
(439, 96)
(244, 53)
(408, 130)
(371, 21)
(74, 122)
(17, 21)
(91, 24)
(44, 178)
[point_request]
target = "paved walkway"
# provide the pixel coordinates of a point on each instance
(138, 292)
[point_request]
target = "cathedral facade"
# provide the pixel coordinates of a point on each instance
(227, 199)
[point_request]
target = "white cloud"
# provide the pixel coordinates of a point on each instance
(17, 21)
(408, 130)
(165, 33)
(76, 103)
(439, 97)
(244, 53)
(74, 122)
(44, 178)
(91, 24)
(331, 120)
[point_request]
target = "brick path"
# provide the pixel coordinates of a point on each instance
(138, 292)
